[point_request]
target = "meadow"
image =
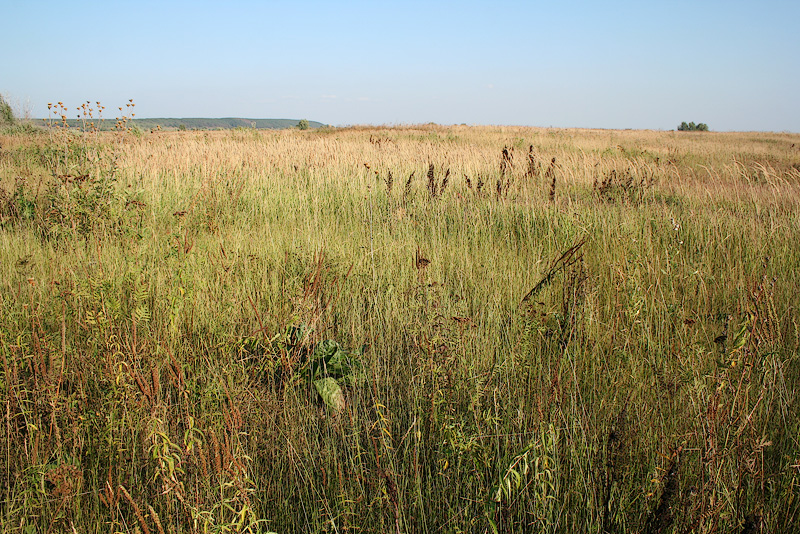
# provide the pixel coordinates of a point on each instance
(407, 329)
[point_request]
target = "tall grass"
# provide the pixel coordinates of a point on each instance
(562, 330)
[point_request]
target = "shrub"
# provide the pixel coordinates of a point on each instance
(6, 113)
(692, 127)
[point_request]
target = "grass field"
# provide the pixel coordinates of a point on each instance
(412, 329)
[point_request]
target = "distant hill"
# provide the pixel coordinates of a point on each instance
(228, 123)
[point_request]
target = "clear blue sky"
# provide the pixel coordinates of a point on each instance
(616, 64)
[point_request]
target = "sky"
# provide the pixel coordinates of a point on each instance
(615, 64)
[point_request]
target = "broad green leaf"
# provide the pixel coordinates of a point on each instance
(330, 359)
(330, 392)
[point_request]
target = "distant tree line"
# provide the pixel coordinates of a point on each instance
(692, 127)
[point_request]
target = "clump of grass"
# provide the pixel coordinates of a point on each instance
(407, 188)
(436, 188)
(506, 171)
(622, 187)
(534, 168)
(551, 176)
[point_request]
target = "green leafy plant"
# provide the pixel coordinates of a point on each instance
(535, 470)
(326, 365)
(17, 206)
(329, 367)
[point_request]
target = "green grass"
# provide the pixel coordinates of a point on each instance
(153, 376)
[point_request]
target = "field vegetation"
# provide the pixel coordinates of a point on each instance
(410, 329)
